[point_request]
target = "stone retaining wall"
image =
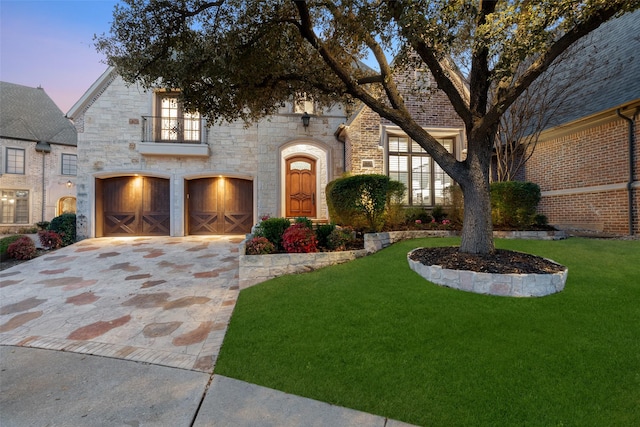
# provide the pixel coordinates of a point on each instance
(255, 269)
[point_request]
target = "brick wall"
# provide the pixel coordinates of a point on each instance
(428, 106)
(583, 177)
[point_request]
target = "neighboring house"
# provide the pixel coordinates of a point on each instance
(146, 167)
(588, 165)
(37, 158)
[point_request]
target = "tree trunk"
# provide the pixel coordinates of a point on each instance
(477, 227)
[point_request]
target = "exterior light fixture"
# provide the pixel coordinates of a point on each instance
(305, 119)
(69, 184)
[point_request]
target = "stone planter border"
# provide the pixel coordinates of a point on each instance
(508, 285)
(255, 269)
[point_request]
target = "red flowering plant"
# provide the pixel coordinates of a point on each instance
(259, 246)
(50, 239)
(299, 238)
(23, 248)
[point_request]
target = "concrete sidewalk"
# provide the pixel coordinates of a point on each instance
(45, 387)
(126, 331)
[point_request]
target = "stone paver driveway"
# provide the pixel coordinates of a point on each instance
(160, 300)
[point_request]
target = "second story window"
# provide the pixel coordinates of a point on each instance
(15, 161)
(174, 123)
(303, 104)
(69, 164)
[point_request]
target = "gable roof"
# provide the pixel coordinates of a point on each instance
(29, 114)
(611, 58)
(90, 96)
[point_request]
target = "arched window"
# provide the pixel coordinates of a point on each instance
(66, 205)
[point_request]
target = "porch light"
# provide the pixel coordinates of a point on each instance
(305, 119)
(69, 184)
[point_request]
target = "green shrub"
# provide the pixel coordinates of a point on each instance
(514, 203)
(414, 214)
(540, 220)
(65, 226)
(359, 200)
(6, 241)
(273, 229)
(438, 213)
(341, 238)
(304, 220)
(456, 203)
(43, 225)
(322, 234)
(23, 248)
(259, 246)
(27, 230)
(395, 213)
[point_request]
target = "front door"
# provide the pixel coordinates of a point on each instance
(301, 187)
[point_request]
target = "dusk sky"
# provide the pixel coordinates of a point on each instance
(49, 43)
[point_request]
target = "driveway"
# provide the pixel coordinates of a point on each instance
(160, 300)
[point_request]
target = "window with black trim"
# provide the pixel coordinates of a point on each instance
(69, 164)
(14, 206)
(15, 161)
(410, 164)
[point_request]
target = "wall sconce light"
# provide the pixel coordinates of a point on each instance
(305, 119)
(69, 184)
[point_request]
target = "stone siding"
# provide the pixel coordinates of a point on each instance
(55, 184)
(111, 129)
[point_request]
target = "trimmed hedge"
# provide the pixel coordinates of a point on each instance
(514, 203)
(273, 229)
(359, 200)
(65, 226)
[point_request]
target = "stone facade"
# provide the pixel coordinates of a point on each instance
(40, 179)
(109, 124)
(583, 173)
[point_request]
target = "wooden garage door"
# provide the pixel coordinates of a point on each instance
(134, 206)
(220, 205)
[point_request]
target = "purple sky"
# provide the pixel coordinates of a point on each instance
(50, 44)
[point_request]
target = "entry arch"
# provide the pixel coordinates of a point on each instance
(321, 154)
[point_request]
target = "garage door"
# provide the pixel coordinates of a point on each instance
(133, 206)
(219, 206)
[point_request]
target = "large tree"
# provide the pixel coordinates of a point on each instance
(240, 59)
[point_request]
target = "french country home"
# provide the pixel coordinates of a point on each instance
(38, 160)
(148, 167)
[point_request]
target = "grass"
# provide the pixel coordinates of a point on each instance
(374, 336)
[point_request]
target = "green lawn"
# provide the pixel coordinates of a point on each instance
(374, 336)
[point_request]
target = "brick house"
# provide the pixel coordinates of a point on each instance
(148, 168)
(37, 158)
(587, 165)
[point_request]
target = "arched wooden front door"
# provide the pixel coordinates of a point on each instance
(300, 187)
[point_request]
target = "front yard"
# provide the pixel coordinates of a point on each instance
(374, 336)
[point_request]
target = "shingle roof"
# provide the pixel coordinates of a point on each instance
(607, 70)
(29, 114)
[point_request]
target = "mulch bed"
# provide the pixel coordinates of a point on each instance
(501, 262)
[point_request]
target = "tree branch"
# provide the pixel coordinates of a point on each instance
(506, 95)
